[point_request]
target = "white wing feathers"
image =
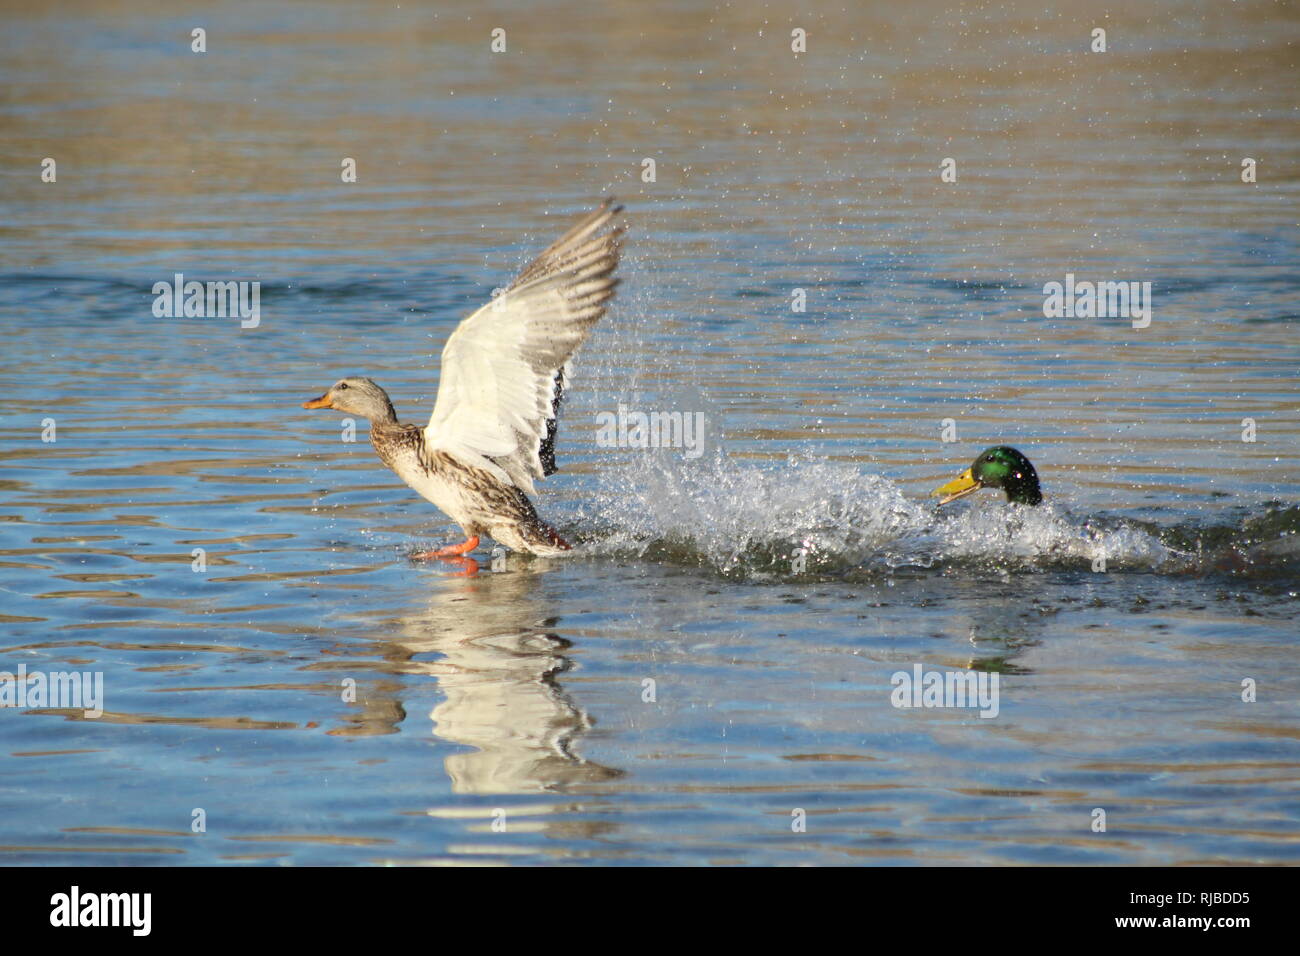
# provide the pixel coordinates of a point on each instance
(505, 366)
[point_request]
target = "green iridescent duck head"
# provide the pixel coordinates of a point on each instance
(998, 467)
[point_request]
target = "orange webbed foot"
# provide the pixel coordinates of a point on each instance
(451, 551)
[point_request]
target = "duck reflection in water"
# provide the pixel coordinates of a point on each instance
(486, 639)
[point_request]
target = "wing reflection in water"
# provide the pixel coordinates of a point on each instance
(485, 639)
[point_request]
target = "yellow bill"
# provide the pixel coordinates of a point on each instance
(961, 486)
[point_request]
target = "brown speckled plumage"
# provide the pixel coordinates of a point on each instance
(505, 369)
(489, 503)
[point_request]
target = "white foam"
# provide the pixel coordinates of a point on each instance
(752, 516)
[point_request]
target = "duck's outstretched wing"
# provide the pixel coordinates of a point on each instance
(505, 367)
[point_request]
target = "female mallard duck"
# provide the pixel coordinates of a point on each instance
(998, 467)
(504, 371)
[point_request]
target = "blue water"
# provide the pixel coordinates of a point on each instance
(683, 689)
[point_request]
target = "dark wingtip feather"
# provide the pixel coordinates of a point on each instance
(547, 450)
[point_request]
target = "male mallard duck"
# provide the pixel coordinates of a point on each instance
(504, 371)
(998, 467)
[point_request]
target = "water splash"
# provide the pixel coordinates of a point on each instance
(747, 519)
(756, 519)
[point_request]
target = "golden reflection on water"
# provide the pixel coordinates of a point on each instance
(499, 668)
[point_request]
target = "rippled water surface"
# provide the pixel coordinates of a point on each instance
(713, 665)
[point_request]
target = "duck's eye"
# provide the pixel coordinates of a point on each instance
(343, 385)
